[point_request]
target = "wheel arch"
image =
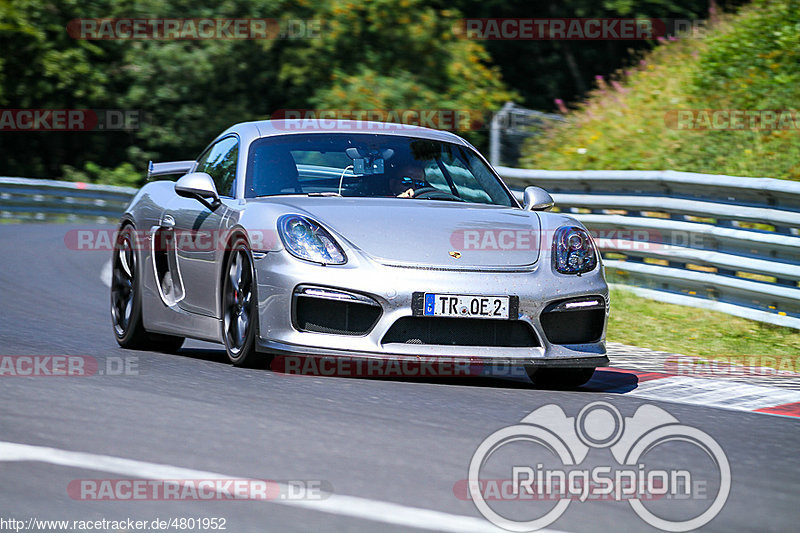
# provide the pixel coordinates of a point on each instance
(125, 220)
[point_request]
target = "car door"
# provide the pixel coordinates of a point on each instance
(199, 241)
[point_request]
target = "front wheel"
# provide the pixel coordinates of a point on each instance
(126, 303)
(239, 314)
(559, 378)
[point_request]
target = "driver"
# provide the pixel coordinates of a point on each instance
(401, 184)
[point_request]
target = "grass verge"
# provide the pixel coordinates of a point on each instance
(691, 331)
(746, 62)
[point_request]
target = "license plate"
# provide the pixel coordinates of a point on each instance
(465, 305)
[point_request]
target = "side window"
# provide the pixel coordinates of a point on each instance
(219, 162)
(466, 182)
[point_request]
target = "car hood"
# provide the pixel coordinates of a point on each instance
(427, 233)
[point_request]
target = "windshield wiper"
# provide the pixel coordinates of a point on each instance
(331, 193)
(443, 198)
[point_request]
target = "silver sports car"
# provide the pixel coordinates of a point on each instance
(359, 240)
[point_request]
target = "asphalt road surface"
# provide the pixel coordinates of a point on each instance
(388, 454)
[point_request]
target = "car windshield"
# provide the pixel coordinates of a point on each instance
(370, 165)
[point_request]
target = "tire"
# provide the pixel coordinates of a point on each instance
(239, 310)
(126, 300)
(559, 378)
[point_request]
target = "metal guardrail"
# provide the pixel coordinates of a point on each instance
(27, 199)
(719, 242)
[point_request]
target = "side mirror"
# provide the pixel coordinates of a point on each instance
(537, 199)
(198, 185)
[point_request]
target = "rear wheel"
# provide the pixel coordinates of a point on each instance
(126, 304)
(239, 306)
(559, 378)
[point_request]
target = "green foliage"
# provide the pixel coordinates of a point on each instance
(385, 54)
(755, 64)
(748, 62)
(393, 54)
(44, 68)
(544, 70)
(124, 175)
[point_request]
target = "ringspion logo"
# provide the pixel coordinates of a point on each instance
(651, 462)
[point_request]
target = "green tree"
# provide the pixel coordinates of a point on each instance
(387, 53)
(393, 54)
(44, 68)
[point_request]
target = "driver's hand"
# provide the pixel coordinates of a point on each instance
(409, 193)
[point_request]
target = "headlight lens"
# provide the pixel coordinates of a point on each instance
(573, 251)
(307, 240)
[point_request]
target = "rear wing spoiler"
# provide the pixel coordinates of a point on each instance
(168, 168)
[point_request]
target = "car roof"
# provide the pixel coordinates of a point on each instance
(248, 132)
(270, 128)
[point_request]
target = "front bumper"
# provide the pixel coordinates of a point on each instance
(279, 274)
(280, 348)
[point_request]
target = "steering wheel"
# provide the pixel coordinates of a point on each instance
(435, 194)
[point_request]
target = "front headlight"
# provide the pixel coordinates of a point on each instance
(573, 251)
(307, 240)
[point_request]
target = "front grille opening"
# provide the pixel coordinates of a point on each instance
(319, 315)
(461, 332)
(574, 327)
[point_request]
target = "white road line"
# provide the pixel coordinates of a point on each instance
(714, 393)
(105, 274)
(351, 506)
